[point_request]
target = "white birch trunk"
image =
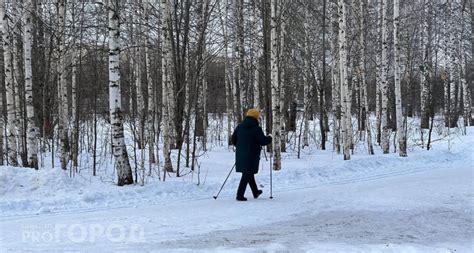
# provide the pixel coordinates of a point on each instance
(74, 109)
(453, 63)
(241, 56)
(281, 80)
(9, 86)
(378, 60)
(401, 124)
(275, 88)
(343, 78)
(236, 85)
(256, 56)
(464, 85)
(32, 130)
(203, 60)
(151, 91)
(335, 91)
(138, 82)
(306, 78)
(364, 84)
(445, 75)
(166, 83)
(17, 83)
(62, 84)
(228, 76)
(204, 108)
(425, 89)
(122, 162)
(386, 131)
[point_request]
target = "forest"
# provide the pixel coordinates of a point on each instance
(153, 84)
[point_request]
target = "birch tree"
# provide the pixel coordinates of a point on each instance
(344, 86)
(151, 91)
(122, 163)
(336, 98)
(9, 87)
(227, 72)
(32, 130)
(237, 89)
(275, 87)
(451, 85)
(77, 54)
(378, 60)
(18, 83)
(402, 140)
(240, 50)
(166, 61)
(386, 131)
(364, 84)
(255, 56)
(62, 84)
(306, 77)
(424, 84)
(466, 91)
(283, 108)
(138, 79)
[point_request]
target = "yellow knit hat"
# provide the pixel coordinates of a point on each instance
(254, 113)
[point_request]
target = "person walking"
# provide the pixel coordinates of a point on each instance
(248, 138)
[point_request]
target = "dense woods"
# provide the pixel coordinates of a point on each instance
(152, 84)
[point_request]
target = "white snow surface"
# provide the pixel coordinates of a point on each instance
(380, 203)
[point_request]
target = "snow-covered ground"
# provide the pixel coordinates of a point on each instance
(381, 203)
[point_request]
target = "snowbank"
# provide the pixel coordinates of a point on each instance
(25, 191)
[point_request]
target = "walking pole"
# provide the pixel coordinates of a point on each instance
(215, 197)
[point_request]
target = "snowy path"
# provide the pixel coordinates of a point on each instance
(425, 210)
(392, 214)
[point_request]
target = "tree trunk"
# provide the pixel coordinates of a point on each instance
(9, 86)
(74, 109)
(138, 79)
(18, 84)
(151, 91)
(322, 87)
(32, 130)
(453, 69)
(235, 63)
(282, 82)
(306, 77)
(386, 131)
(240, 78)
(466, 91)
(227, 74)
(166, 65)
(336, 96)
(344, 85)
(62, 84)
(424, 68)
(275, 88)
(401, 124)
(378, 81)
(255, 57)
(364, 84)
(122, 163)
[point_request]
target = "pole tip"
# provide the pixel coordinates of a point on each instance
(214, 197)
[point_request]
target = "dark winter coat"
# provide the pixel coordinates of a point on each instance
(248, 138)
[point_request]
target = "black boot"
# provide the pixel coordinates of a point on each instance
(259, 192)
(241, 198)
